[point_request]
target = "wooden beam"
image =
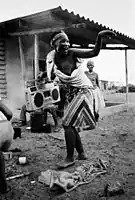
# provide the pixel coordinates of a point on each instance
(22, 60)
(36, 58)
(106, 48)
(47, 30)
(118, 48)
(63, 27)
(126, 71)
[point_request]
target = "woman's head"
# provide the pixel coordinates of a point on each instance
(60, 42)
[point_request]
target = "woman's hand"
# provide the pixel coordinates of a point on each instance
(107, 33)
(41, 76)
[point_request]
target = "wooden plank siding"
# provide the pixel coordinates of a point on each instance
(3, 82)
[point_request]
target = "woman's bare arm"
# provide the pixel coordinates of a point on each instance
(88, 53)
(6, 111)
(97, 80)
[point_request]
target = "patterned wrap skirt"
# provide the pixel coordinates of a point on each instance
(79, 111)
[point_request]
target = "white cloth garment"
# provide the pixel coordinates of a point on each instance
(99, 100)
(77, 79)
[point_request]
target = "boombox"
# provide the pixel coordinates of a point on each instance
(39, 96)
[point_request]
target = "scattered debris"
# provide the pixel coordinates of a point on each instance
(28, 128)
(16, 152)
(113, 189)
(22, 160)
(55, 137)
(124, 133)
(16, 122)
(18, 176)
(57, 129)
(32, 182)
(7, 155)
(45, 177)
(17, 132)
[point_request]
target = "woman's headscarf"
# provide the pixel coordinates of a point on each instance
(59, 36)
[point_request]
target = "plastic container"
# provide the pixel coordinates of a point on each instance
(37, 121)
(7, 155)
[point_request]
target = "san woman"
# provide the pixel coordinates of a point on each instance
(64, 66)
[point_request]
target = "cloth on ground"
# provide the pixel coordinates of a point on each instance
(69, 181)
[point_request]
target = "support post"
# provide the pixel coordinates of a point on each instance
(126, 71)
(36, 53)
(22, 60)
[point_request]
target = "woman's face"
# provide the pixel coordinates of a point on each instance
(62, 45)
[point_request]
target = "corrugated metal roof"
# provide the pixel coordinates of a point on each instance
(58, 17)
(94, 26)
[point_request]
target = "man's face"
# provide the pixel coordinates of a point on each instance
(62, 45)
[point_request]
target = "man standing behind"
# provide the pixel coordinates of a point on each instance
(93, 76)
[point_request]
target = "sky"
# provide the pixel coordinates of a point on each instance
(115, 14)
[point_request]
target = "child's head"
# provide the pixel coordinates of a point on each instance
(90, 65)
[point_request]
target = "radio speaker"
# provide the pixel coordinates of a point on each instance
(40, 97)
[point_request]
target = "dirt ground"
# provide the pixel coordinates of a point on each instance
(112, 140)
(112, 96)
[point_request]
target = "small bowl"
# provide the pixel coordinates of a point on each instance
(22, 160)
